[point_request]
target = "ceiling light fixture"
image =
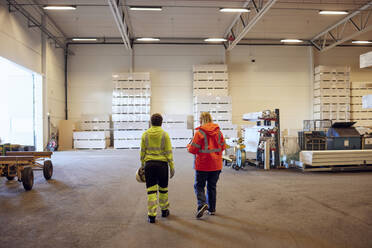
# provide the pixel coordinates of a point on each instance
(147, 39)
(234, 10)
(291, 41)
(84, 39)
(333, 12)
(59, 7)
(361, 42)
(148, 8)
(215, 40)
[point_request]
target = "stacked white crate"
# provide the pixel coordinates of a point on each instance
(332, 93)
(210, 80)
(176, 126)
(130, 108)
(90, 140)
(362, 116)
(94, 132)
(210, 91)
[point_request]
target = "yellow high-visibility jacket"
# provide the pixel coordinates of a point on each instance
(156, 145)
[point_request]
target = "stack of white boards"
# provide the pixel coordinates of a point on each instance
(176, 126)
(220, 108)
(210, 91)
(91, 140)
(332, 93)
(130, 108)
(95, 123)
(94, 132)
(210, 80)
(336, 160)
(362, 116)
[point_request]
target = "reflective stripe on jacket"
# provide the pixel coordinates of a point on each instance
(208, 144)
(156, 145)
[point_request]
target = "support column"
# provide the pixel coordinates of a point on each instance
(45, 85)
(131, 60)
(311, 78)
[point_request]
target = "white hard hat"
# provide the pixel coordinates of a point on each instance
(140, 175)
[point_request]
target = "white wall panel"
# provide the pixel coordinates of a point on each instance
(170, 67)
(90, 78)
(19, 43)
(280, 78)
(171, 73)
(55, 79)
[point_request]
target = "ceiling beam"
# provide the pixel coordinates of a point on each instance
(244, 22)
(358, 21)
(120, 22)
(127, 20)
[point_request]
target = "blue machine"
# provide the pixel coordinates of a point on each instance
(343, 136)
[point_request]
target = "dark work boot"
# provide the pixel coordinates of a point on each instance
(165, 213)
(151, 219)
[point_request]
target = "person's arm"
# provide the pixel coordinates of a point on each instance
(143, 150)
(168, 151)
(195, 145)
(223, 144)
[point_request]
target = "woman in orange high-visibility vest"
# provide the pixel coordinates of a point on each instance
(208, 144)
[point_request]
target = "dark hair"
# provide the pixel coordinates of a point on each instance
(156, 120)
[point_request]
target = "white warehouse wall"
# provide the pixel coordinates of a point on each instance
(55, 80)
(280, 78)
(23, 45)
(170, 67)
(89, 77)
(20, 44)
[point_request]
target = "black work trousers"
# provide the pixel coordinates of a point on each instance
(156, 173)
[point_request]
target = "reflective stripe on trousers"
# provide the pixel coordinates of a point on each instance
(152, 201)
(163, 198)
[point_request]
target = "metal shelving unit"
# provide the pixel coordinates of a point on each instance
(270, 131)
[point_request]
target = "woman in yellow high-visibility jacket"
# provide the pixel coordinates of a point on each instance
(156, 156)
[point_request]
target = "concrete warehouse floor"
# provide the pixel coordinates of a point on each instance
(94, 201)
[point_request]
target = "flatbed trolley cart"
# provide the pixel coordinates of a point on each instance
(20, 167)
(41, 161)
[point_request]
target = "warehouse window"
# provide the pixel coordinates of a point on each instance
(20, 105)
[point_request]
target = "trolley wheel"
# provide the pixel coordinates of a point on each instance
(244, 158)
(238, 155)
(237, 168)
(48, 169)
(10, 178)
(27, 178)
